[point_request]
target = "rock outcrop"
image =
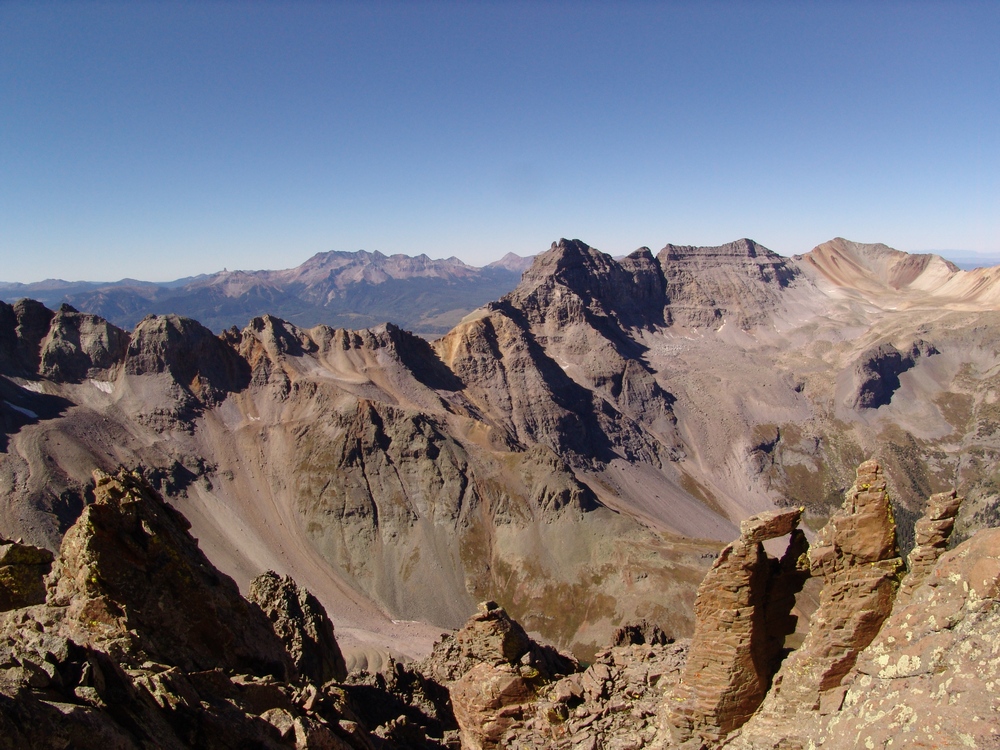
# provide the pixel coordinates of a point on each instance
(135, 584)
(23, 327)
(742, 615)
(22, 574)
(142, 643)
(855, 555)
(493, 672)
(930, 536)
(80, 346)
(201, 364)
(929, 678)
(302, 624)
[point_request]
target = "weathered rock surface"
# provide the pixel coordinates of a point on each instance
(493, 672)
(930, 536)
(80, 346)
(929, 678)
(742, 615)
(855, 555)
(614, 703)
(134, 583)
(142, 644)
(202, 365)
(302, 624)
(22, 574)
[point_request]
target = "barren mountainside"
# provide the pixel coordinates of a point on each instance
(578, 450)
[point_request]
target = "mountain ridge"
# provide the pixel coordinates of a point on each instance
(353, 289)
(585, 431)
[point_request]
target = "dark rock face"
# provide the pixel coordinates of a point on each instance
(876, 374)
(640, 633)
(629, 293)
(135, 582)
(302, 624)
(22, 574)
(23, 326)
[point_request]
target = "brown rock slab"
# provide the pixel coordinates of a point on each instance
(742, 614)
(855, 554)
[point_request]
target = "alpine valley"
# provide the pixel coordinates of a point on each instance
(575, 453)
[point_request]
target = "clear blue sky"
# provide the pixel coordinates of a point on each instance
(163, 139)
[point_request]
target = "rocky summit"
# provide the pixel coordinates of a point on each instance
(647, 468)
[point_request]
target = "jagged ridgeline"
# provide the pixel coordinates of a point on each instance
(577, 451)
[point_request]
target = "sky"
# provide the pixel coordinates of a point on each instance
(166, 139)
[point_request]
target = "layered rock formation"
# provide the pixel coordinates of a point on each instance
(855, 555)
(742, 615)
(931, 534)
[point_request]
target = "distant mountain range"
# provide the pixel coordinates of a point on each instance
(340, 289)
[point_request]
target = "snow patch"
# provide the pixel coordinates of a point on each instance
(22, 410)
(103, 385)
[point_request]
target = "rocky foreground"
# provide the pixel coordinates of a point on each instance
(131, 638)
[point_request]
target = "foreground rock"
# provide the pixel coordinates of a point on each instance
(134, 583)
(855, 555)
(743, 613)
(930, 536)
(142, 643)
(494, 673)
(22, 574)
(929, 679)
